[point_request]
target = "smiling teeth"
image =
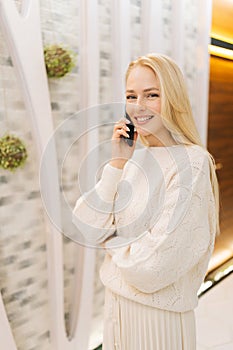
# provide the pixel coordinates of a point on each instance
(144, 119)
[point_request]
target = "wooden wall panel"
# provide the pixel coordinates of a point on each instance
(220, 144)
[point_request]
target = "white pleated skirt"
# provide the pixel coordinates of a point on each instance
(129, 325)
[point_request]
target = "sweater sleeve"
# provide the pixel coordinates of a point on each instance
(178, 240)
(93, 213)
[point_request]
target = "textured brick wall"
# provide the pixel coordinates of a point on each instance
(23, 260)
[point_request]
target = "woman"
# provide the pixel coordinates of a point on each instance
(155, 210)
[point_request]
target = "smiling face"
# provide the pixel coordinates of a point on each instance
(144, 104)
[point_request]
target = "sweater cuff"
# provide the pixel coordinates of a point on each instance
(107, 186)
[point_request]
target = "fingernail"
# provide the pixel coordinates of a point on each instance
(127, 121)
(128, 129)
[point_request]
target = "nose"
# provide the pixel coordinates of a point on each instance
(140, 103)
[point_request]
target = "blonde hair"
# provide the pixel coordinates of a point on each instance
(176, 110)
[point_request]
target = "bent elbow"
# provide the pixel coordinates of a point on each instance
(92, 231)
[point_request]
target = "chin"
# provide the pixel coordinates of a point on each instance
(142, 132)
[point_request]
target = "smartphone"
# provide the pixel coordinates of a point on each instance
(130, 132)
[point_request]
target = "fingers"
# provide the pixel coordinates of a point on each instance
(122, 124)
(120, 128)
(122, 132)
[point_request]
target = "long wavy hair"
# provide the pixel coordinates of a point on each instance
(176, 111)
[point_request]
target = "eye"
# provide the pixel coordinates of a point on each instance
(131, 97)
(152, 95)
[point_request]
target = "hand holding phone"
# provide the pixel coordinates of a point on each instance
(121, 153)
(130, 125)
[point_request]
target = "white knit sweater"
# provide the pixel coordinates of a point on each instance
(157, 216)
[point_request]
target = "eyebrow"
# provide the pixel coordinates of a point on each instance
(145, 90)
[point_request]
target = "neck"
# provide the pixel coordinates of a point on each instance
(164, 141)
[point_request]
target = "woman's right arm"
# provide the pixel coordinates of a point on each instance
(93, 214)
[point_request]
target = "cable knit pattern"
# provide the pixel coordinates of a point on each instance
(157, 217)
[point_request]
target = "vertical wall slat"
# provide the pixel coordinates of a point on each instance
(178, 32)
(121, 46)
(152, 28)
(203, 64)
(89, 96)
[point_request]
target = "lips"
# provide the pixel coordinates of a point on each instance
(143, 119)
